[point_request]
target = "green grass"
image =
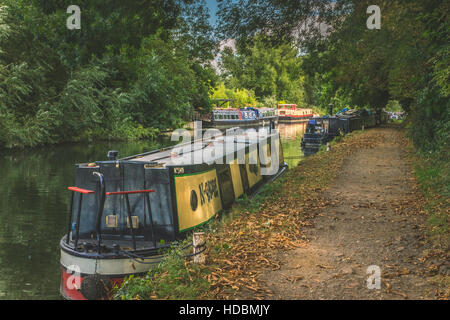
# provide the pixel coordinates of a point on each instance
(432, 172)
(173, 278)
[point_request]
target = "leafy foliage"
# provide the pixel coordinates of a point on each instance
(240, 97)
(269, 71)
(132, 70)
(347, 64)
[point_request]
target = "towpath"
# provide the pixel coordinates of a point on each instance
(371, 217)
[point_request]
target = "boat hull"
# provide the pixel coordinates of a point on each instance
(294, 119)
(238, 123)
(333, 127)
(88, 276)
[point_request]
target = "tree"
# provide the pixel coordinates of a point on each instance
(132, 69)
(406, 60)
(279, 21)
(267, 70)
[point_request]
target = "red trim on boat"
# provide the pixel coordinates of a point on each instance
(84, 191)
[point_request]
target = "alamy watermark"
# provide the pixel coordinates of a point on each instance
(74, 20)
(374, 20)
(374, 279)
(73, 282)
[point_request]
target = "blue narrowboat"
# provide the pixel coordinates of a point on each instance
(243, 117)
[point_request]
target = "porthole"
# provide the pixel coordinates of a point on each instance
(194, 200)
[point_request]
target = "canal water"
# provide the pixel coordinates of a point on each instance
(34, 207)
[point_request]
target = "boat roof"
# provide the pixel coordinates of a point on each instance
(241, 109)
(176, 155)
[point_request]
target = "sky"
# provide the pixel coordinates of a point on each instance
(212, 6)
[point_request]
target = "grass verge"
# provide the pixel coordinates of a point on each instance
(432, 171)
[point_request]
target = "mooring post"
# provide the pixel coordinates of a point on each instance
(199, 245)
(328, 146)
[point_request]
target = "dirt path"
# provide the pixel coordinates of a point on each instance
(368, 222)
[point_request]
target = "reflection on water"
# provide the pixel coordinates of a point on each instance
(291, 136)
(34, 205)
(33, 213)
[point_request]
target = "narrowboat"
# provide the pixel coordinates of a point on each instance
(289, 113)
(221, 118)
(321, 130)
(314, 137)
(266, 115)
(125, 213)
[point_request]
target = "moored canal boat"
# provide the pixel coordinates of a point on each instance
(321, 130)
(289, 113)
(125, 213)
(315, 136)
(221, 118)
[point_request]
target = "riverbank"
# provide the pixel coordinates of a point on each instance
(432, 172)
(252, 248)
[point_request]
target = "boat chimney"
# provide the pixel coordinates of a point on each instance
(330, 109)
(112, 155)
